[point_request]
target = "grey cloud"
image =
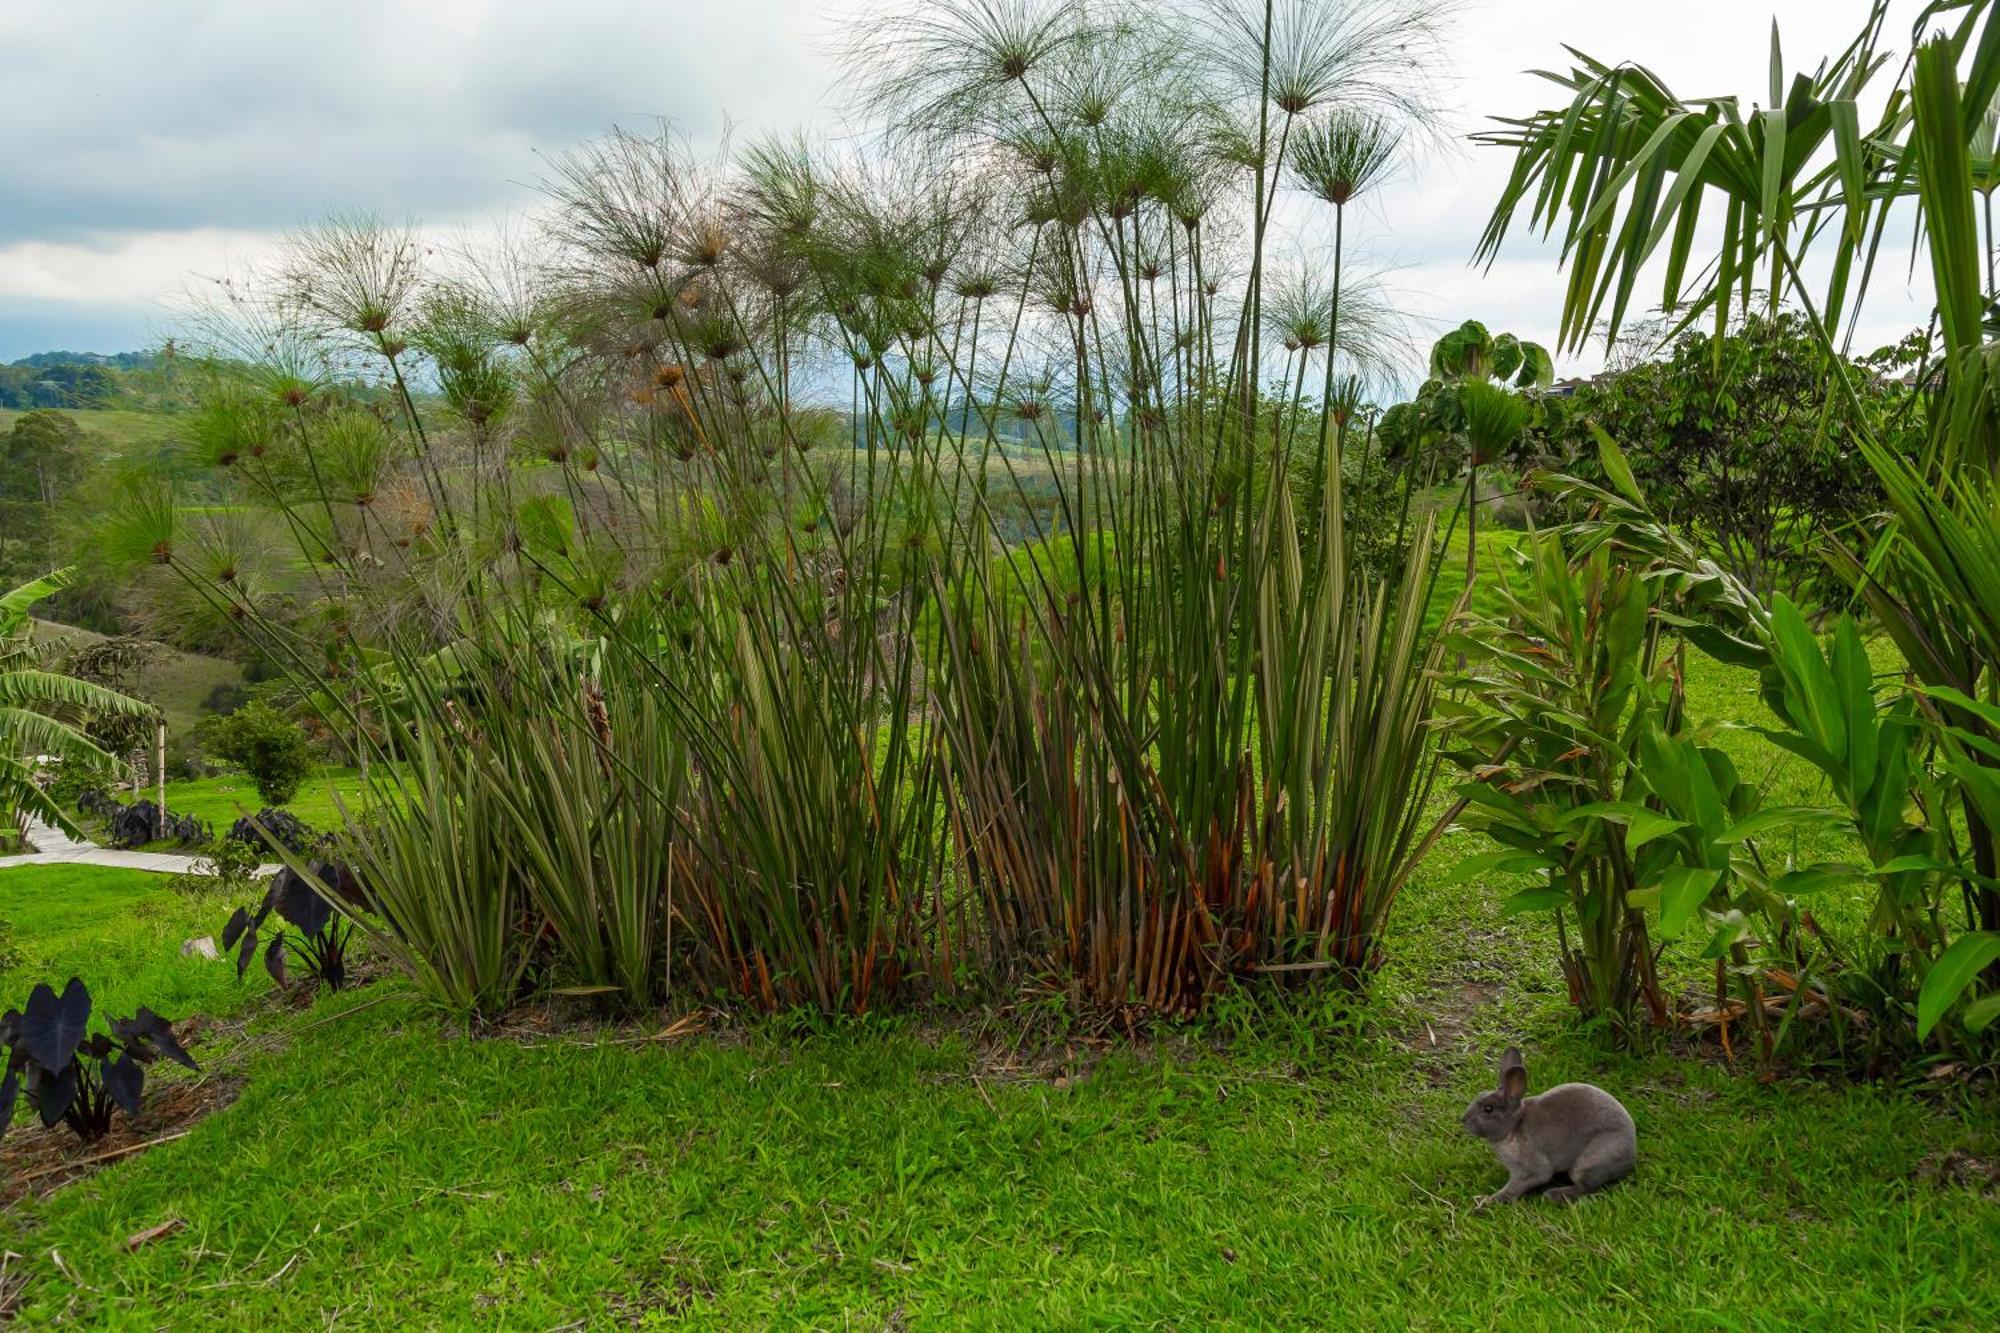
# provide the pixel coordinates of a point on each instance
(266, 115)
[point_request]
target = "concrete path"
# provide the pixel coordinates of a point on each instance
(54, 847)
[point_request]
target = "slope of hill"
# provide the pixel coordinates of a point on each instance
(180, 683)
(125, 431)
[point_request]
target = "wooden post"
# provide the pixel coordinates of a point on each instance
(160, 777)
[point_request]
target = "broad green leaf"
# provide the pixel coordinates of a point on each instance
(1781, 819)
(1731, 927)
(1949, 976)
(1979, 708)
(1612, 459)
(1682, 892)
(15, 603)
(1813, 702)
(1979, 1015)
(1544, 899)
(1617, 812)
(1816, 879)
(1648, 825)
(1903, 865)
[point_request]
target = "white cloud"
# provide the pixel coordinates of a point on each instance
(126, 268)
(149, 145)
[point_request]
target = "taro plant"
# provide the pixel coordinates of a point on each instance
(73, 1075)
(318, 936)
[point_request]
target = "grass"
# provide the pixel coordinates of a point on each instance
(223, 799)
(1258, 1171)
(123, 430)
(121, 931)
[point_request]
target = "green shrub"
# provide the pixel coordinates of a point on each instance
(267, 745)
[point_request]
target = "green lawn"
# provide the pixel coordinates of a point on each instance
(121, 931)
(1293, 1168)
(223, 799)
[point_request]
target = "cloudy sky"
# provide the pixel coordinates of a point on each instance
(148, 145)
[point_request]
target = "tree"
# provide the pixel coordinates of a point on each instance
(39, 710)
(113, 662)
(41, 460)
(267, 745)
(1744, 451)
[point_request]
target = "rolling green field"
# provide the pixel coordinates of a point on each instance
(1289, 1167)
(121, 430)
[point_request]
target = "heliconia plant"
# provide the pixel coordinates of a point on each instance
(1627, 173)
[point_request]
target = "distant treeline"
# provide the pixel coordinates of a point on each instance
(82, 379)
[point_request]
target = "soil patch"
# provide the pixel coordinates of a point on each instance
(35, 1161)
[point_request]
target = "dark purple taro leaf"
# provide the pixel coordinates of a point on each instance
(124, 1079)
(300, 904)
(10, 1087)
(160, 1032)
(234, 930)
(243, 954)
(54, 1093)
(52, 1028)
(340, 877)
(274, 959)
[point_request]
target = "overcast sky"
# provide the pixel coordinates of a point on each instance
(148, 144)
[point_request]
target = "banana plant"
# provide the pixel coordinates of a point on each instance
(38, 708)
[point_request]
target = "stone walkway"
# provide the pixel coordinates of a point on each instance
(54, 847)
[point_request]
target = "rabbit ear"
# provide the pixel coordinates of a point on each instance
(1513, 1075)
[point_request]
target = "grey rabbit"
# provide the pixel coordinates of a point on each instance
(1575, 1130)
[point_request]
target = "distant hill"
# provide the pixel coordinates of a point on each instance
(85, 380)
(125, 432)
(116, 360)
